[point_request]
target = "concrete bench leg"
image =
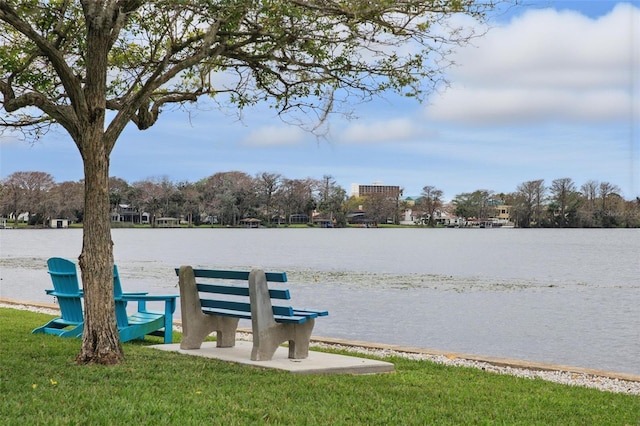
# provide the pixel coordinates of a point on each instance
(299, 345)
(267, 333)
(196, 325)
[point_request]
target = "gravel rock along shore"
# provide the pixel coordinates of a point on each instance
(600, 382)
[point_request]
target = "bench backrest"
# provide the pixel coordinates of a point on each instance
(216, 287)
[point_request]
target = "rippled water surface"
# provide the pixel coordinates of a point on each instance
(562, 296)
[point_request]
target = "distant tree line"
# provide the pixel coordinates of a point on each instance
(226, 198)
(534, 204)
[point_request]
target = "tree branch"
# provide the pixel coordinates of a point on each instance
(138, 101)
(71, 84)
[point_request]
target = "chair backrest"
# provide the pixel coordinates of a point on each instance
(64, 277)
(121, 305)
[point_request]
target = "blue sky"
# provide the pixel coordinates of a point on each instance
(552, 91)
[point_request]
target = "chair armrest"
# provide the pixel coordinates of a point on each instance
(131, 297)
(169, 308)
(137, 293)
(58, 294)
(169, 300)
(52, 292)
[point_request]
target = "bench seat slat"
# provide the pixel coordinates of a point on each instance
(286, 311)
(310, 311)
(227, 313)
(247, 315)
(291, 320)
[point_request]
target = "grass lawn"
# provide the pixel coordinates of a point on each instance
(40, 384)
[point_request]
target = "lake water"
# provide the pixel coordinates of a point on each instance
(567, 296)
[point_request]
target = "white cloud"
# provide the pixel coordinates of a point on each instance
(547, 65)
(381, 131)
(275, 136)
(490, 106)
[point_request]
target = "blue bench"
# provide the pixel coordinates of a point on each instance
(216, 302)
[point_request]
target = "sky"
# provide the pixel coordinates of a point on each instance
(551, 91)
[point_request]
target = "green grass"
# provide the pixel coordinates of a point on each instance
(40, 384)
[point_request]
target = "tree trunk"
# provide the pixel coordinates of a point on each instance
(100, 339)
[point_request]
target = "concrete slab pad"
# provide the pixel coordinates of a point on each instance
(316, 363)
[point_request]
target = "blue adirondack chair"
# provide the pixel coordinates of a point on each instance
(135, 326)
(69, 296)
(142, 322)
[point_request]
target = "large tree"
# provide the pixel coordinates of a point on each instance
(93, 67)
(331, 198)
(609, 204)
(589, 192)
(296, 196)
(529, 200)
(431, 201)
(565, 199)
(267, 186)
(28, 192)
(68, 199)
(476, 204)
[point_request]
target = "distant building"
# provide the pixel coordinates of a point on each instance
(502, 215)
(250, 222)
(58, 223)
(167, 222)
(22, 217)
(128, 213)
(299, 218)
(358, 190)
(411, 201)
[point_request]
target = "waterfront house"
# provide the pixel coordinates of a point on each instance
(167, 222)
(58, 223)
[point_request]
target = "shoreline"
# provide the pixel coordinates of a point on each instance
(568, 375)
